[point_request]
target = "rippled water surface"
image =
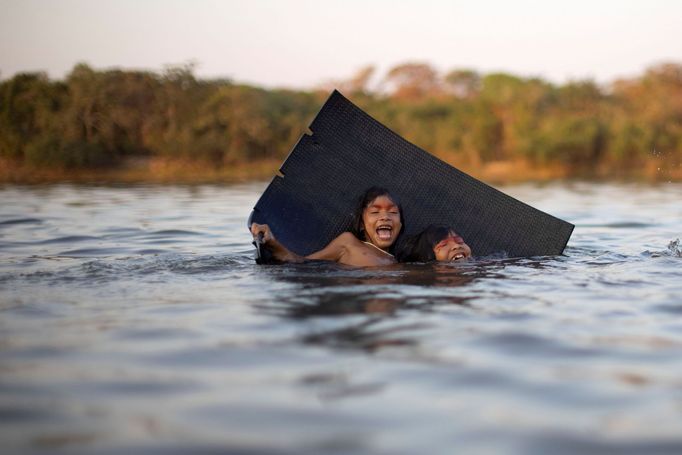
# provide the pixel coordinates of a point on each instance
(134, 320)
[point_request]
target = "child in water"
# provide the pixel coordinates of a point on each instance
(376, 226)
(435, 243)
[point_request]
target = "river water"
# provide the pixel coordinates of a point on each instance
(134, 320)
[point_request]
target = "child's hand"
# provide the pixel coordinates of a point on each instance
(262, 234)
(262, 230)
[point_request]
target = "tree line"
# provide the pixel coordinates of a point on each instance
(101, 118)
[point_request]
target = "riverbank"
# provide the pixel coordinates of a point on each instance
(167, 171)
(140, 170)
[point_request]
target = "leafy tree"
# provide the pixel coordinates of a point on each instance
(463, 83)
(28, 106)
(413, 81)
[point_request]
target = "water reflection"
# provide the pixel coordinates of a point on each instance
(326, 289)
(370, 335)
(323, 289)
(380, 296)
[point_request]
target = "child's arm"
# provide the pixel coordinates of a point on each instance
(332, 252)
(279, 251)
(336, 249)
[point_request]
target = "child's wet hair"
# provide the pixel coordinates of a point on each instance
(419, 247)
(358, 226)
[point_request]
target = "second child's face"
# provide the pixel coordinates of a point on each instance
(452, 248)
(381, 219)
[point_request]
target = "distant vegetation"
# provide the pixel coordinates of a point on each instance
(102, 119)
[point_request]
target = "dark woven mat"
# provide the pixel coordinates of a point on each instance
(349, 152)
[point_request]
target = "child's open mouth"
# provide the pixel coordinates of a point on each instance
(384, 232)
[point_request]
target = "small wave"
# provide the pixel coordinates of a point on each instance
(674, 250)
(112, 269)
(150, 251)
(171, 232)
(203, 264)
(93, 252)
(68, 239)
(606, 258)
(619, 225)
(117, 231)
(21, 221)
(522, 343)
(158, 264)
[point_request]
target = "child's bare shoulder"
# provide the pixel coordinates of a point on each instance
(346, 239)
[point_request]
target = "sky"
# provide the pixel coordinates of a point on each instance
(304, 43)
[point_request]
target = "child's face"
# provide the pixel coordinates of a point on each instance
(381, 220)
(452, 248)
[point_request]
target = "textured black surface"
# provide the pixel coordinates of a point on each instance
(349, 151)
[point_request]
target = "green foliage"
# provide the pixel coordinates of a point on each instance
(98, 118)
(50, 152)
(574, 141)
(29, 103)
